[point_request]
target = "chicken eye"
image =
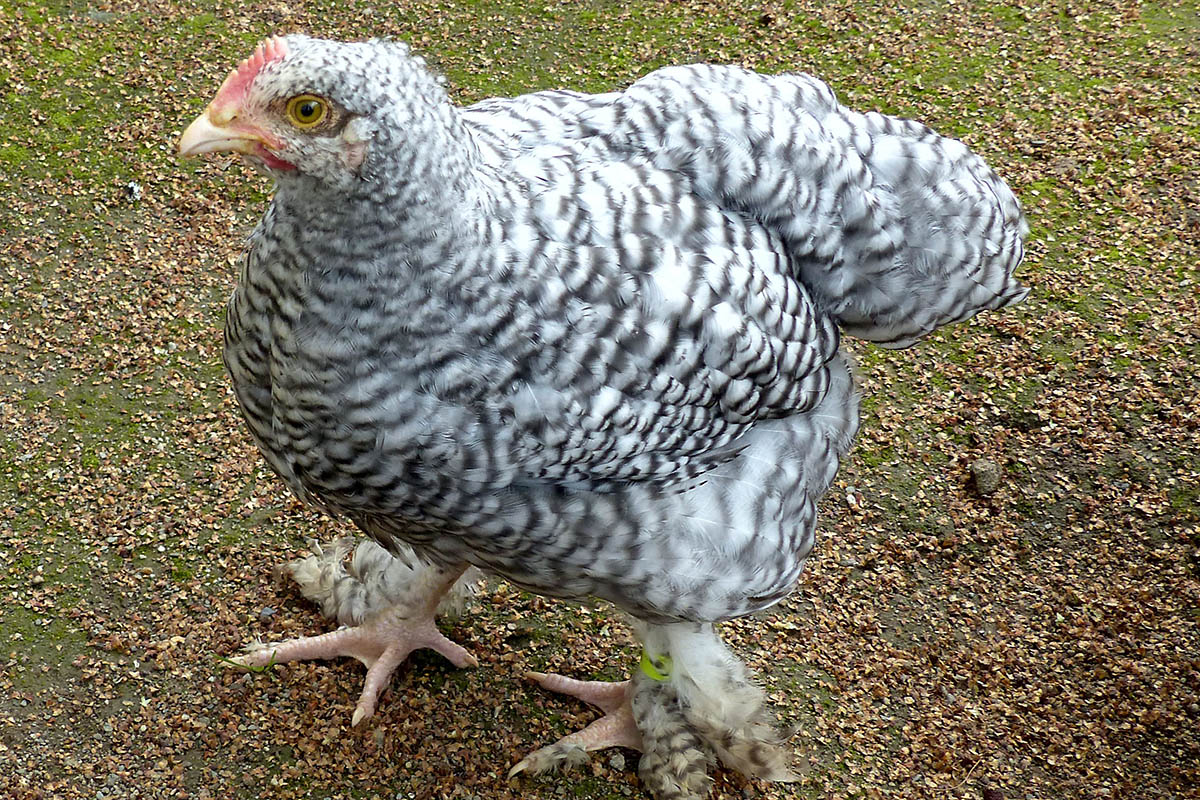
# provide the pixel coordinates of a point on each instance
(306, 111)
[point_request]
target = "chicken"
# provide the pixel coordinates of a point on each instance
(588, 343)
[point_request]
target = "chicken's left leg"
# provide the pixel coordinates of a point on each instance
(689, 704)
(616, 728)
(387, 604)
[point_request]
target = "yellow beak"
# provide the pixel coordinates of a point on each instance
(202, 136)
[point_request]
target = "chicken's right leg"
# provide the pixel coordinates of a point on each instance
(387, 605)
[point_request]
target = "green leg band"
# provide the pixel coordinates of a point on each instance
(656, 669)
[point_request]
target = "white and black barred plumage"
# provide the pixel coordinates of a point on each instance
(591, 342)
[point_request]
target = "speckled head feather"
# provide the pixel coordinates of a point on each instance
(387, 118)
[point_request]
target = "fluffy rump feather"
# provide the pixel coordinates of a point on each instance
(893, 228)
(372, 581)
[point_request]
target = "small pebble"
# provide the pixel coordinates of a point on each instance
(986, 476)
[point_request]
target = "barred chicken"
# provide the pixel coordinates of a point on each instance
(588, 343)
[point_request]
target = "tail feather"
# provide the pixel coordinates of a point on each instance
(894, 229)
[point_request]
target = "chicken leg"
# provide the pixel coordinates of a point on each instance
(615, 729)
(386, 607)
(685, 708)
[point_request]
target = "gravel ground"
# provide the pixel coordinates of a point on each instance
(1005, 600)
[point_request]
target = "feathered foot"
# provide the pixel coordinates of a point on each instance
(615, 729)
(389, 606)
(687, 706)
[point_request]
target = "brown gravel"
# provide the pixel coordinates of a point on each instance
(1039, 640)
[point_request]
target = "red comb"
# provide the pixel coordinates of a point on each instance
(238, 82)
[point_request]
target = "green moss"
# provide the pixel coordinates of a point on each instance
(1179, 22)
(47, 646)
(206, 24)
(1185, 504)
(877, 457)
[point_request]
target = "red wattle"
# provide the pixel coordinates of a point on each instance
(273, 161)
